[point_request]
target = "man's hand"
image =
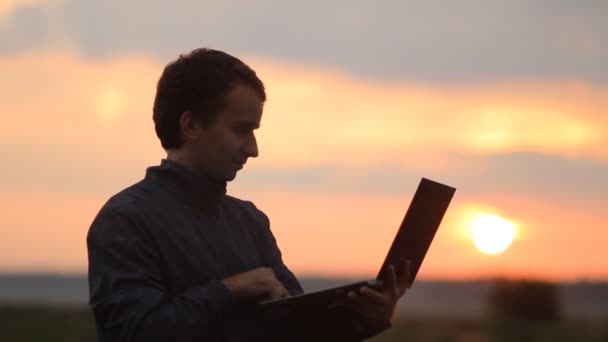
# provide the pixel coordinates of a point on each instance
(258, 283)
(378, 307)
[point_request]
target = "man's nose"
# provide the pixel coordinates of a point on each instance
(251, 149)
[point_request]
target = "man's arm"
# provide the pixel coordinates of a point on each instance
(128, 295)
(272, 257)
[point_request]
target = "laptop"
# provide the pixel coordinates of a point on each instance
(412, 241)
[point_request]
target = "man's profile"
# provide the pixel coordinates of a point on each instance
(173, 257)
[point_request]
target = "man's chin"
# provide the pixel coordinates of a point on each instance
(224, 177)
(230, 177)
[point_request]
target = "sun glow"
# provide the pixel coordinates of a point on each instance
(492, 234)
(110, 103)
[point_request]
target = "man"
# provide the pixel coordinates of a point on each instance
(173, 258)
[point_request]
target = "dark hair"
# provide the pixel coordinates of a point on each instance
(197, 82)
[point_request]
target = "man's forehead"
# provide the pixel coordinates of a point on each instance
(247, 123)
(243, 116)
(242, 107)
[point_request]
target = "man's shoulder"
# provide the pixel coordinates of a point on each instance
(245, 206)
(118, 214)
(131, 203)
(130, 198)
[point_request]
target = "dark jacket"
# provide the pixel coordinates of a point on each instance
(158, 251)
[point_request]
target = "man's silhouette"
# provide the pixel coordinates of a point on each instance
(173, 258)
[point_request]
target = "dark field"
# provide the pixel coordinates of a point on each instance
(49, 324)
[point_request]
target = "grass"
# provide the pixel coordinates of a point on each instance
(49, 324)
(451, 329)
(46, 324)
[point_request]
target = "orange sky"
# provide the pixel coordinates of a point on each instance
(75, 131)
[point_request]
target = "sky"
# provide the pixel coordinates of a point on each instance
(505, 100)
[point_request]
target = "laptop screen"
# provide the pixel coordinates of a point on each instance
(418, 228)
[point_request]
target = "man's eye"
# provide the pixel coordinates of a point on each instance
(243, 130)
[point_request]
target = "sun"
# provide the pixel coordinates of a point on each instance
(492, 234)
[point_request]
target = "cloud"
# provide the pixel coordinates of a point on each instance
(350, 150)
(353, 119)
(427, 41)
(7, 7)
(575, 182)
(25, 28)
(76, 125)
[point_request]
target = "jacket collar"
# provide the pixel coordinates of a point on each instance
(183, 182)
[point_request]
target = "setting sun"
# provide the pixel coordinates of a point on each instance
(492, 234)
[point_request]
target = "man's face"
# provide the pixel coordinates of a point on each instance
(224, 146)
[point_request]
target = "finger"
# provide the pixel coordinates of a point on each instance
(345, 302)
(285, 292)
(371, 304)
(356, 303)
(404, 278)
(377, 297)
(391, 281)
(342, 301)
(362, 305)
(278, 291)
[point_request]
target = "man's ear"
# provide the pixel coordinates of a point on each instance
(190, 127)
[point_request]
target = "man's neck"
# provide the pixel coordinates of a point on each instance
(181, 157)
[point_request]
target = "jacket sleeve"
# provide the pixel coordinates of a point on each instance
(342, 326)
(272, 256)
(127, 294)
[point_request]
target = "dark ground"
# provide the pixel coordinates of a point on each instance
(67, 324)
